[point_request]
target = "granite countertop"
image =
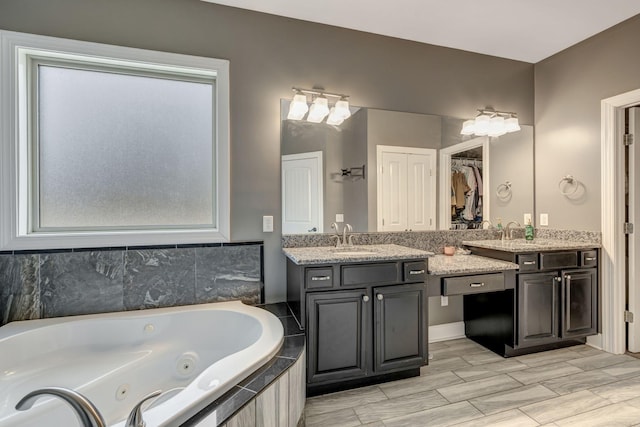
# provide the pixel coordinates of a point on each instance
(358, 253)
(535, 245)
(443, 264)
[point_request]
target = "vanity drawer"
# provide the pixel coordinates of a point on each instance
(318, 278)
(473, 284)
(528, 262)
(370, 274)
(415, 271)
(589, 258)
(550, 260)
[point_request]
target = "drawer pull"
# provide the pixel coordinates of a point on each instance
(476, 285)
(416, 272)
(316, 278)
(590, 258)
(529, 263)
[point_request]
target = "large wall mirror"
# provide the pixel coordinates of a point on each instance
(394, 171)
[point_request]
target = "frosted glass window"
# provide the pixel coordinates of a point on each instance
(122, 151)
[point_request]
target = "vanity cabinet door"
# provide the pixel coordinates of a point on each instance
(538, 308)
(337, 331)
(400, 326)
(580, 303)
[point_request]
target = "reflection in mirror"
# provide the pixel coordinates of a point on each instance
(322, 181)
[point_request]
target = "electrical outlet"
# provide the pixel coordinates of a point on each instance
(339, 217)
(267, 224)
(444, 301)
(544, 219)
(527, 219)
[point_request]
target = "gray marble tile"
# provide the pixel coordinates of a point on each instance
(542, 373)
(482, 358)
(514, 398)
(81, 282)
(343, 399)
(20, 289)
(342, 418)
(579, 381)
(547, 357)
(585, 350)
(618, 414)
(471, 389)
(419, 384)
(601, 361)
(159, 278)
(564, 406)
(228, 273)
(400, 406)
(490, 369)
(442, 365)
(512, 418)
(619, 391)
(624, 370)
(437, 417)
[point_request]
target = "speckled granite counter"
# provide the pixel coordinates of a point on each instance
(535, 245)
(462, 264)
(359, 253)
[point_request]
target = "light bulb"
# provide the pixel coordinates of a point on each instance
(482, 124)
(496, 126)
(468, 127)
(511, 124)
(319, 109)
(342, 108)
(298, 107)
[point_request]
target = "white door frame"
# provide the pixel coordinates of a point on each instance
(612, 260)
(444, 218)
(431, 152)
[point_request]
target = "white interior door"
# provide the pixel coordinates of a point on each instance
(406, 188)
(302, 197)
(633, 337)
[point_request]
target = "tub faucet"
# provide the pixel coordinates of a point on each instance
(87, 413)
(135, 417)
(508, 232)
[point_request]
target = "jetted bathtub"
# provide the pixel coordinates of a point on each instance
(194, 354)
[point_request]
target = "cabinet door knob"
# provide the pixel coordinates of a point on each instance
(380, 297)
(365, 298)
(568, 277)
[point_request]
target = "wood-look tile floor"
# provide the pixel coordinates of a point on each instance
(468, 385)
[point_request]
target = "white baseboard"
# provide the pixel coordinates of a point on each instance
(446, 331)
(595, 341)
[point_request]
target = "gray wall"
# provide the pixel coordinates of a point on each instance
(568, 89)
(268, 55)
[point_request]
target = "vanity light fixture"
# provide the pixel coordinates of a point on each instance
(492, 123)
(338, 113)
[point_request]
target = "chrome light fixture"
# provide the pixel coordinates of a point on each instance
(338, 113)
(491, 122)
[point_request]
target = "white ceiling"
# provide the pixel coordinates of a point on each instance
(525, 30)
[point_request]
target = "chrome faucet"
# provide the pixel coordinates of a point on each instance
(135, 417)
(87, 413)
(508, 232)
(336, 236)
(488, 222)
(347, 239)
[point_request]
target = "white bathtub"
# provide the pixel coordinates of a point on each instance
(193, 353)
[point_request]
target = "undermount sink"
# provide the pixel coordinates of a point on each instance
(353, 251)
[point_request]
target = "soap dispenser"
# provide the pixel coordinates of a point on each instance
(528, 231)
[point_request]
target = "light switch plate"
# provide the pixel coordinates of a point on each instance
(267, 224)
(444, 300)
(527, 219)
(544, 219)
(339, 217)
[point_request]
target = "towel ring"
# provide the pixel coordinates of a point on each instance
(571, 183)
(504, 190)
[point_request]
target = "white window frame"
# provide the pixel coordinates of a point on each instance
(15, 228)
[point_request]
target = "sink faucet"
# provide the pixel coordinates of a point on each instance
(347, 239)
(87, 413)
(508, 232)
(336, 236)
(135, 417)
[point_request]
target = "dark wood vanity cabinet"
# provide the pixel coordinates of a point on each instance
(555, 303)
(366, 320)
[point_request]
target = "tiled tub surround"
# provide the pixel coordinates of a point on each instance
(434, 241)
(70, 282)
(272, 396)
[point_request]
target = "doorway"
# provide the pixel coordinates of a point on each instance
(632, 214)
(302, 194)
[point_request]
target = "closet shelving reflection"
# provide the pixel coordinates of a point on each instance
(466, 193)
